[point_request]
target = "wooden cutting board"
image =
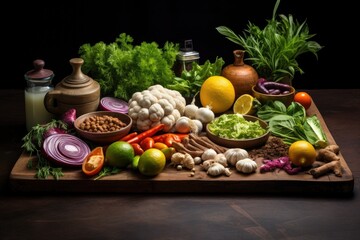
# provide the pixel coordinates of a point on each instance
(171, 180)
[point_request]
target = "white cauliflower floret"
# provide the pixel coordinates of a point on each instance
(156, 105)
(156, 112)
(168, 108)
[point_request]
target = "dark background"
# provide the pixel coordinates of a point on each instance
(54, 31)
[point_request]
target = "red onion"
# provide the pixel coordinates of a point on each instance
(52, 131)
(69, 117)
(65, 149)
(114, 105)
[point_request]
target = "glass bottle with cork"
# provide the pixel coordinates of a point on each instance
(38, 83)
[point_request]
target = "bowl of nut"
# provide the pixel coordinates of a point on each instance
(103, 127)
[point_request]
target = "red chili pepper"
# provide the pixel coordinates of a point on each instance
(147, 143)
(129, 136)
(137, 149)
(168, 138)
(148, 133)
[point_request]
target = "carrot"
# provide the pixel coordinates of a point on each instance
(148, 133)
(129, 136)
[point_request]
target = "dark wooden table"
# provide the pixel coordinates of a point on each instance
(183, 216)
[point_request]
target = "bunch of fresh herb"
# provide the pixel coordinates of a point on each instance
(190, 81)
(122, 68)
(33, 140)
(273, 50)
(32, 143)
(44, 169)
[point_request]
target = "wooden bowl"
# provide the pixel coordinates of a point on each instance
(103, 138)
(284, 98)
(241, 143)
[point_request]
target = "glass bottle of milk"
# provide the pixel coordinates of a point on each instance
(38, 83)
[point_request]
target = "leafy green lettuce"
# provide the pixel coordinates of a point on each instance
(292, 124)
(235, 126)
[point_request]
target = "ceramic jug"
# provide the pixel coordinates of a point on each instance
(77, 91)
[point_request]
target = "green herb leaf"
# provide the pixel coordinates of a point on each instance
(106, 171)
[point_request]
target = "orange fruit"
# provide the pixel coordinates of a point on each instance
(218, 93)
(151, 162)
(303, 98)
(119, 154)
(302, 153)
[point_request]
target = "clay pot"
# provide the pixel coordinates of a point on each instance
(77, 91)
(241, 75)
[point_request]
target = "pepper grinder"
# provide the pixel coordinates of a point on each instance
(185, 58)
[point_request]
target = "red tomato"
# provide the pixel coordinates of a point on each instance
(137, 148)
(304, 99)
(147, 143)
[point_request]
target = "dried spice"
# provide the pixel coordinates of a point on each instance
(274, 148)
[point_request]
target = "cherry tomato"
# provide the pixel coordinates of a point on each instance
(137, 148)
(147, 143)
(303, 98)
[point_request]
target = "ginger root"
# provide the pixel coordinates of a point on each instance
(183, 160)
(328, 155)
(334, 166)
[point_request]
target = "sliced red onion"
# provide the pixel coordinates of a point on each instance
(65, 149)
(114, 105)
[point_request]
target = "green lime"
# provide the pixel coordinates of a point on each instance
(119, 154)
(135, 162)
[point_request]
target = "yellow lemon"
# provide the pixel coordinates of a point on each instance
(302, 153)
(218, 93)
(245, 104)
(151, 162)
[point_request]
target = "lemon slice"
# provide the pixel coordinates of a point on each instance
(244, 105)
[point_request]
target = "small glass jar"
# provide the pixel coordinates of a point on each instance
(185, 58)
(38, 83)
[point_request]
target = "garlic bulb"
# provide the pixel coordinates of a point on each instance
(246, 165)
(217, 169)
(208, 154)
(235, 154)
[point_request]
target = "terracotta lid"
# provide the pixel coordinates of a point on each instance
(39, 72)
